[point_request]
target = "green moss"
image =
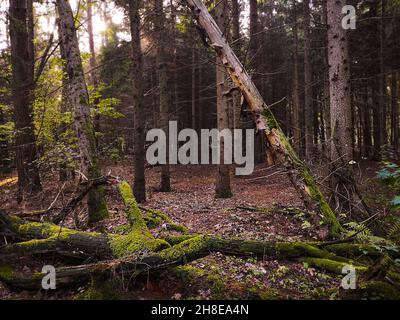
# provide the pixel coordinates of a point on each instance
(330, 265)
(217, 284)
(161, 216)
(173, 240)
(132, 210)
(99, 290)
(139, 238)
(354, 250)
(312, 189)
(6, 273)
(136, 241)
(29, 246)
(186, 273)
(187, 248)
(372, 290)
(152, 222)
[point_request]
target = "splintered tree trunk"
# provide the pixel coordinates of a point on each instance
(265, 121)
(308, 103)
(236, 95)
(22, 61)
(163, 84)
(79, 99)
(296, 125)
(223, 183)
(139, 182)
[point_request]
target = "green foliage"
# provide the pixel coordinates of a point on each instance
(389, 176)
(103, 106)
(6, 131)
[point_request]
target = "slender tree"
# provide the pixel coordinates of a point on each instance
(164, 100)
(92, 62)
(341, 112)
(308, 103)
(223, 184)
(296, 124)
(89, 163)
(139, 182)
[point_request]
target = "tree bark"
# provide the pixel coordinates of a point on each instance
(265, 121)
(89, 164)
(340, 103)
(308, 103)
(161, 46)
(395, 112)
(223, 183)
(296, 125)
(254, 59)
(92, 65)
(22, 61)
(139, 181)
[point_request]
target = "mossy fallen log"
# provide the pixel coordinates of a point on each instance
(188, 250)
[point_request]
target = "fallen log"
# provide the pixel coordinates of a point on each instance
(139, 252)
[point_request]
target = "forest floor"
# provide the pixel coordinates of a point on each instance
(192, 204)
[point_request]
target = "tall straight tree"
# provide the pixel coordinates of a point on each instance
(223, 183)
(254, 58)
(164, 100)
(308, 103)
(89, 164)
(92, 60)
(22, 61)
(339, 79)
(139, 182)
(236, 40)
(296, 124)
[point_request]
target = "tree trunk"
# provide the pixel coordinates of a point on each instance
(254, 59)
(194, 91)
(296, 125)
(92, 65)
(340, 101)
(366, 124)
(236, 95)
(326, 94)
(120, 253)
(89, 164)
(139, 181)
(382, 78)
(223, 183)
(265, 121)
(64, 103)
(161, 45)
(395, 112)
(308, 103)
(22, 61)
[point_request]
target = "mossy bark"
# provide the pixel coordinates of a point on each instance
(140, 252)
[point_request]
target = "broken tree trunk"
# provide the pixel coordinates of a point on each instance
(299, 174)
